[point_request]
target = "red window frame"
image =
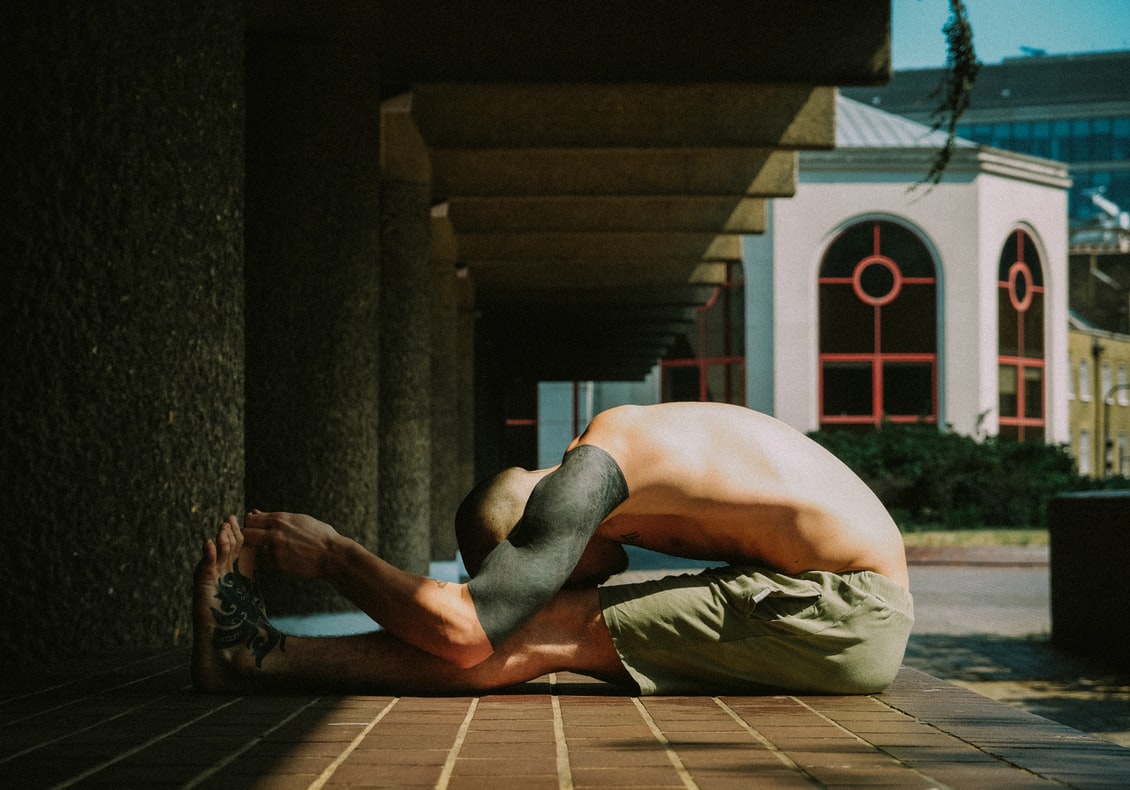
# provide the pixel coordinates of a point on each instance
(1008, 279)
(875, 356)
(733, 364)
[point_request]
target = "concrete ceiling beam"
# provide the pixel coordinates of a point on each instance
(604, 214)
(458, 115)
(644, 295)
(502, 172)
(617, 274)
(548, 246)
(404, 155)
(645, 318)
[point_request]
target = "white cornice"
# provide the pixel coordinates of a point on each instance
(968, 162)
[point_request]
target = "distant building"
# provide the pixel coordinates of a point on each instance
(1099, 398)
(892, 301)
(1099, 296)
(1071, 108)
(873, 297)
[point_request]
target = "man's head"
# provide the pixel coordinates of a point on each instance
(493, 508)
(490, 512)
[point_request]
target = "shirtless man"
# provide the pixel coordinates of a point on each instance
(811, 596)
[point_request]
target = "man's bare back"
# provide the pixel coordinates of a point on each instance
(720, 482)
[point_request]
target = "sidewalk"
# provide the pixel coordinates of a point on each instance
(136, 723)
(983, 621)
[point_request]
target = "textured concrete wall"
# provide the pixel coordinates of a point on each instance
(406, 376)
(121, 306)
(313, 267)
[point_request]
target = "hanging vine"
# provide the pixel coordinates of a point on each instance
(956, 86)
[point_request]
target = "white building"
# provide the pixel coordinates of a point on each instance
(873, 296)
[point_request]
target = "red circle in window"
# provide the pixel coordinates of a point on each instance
(1020, 286)
(876, 280)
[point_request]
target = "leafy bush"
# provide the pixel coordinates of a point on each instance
(931, 477)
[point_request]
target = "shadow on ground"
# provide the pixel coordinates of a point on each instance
(1032, 674)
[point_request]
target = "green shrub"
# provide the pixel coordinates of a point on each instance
(931, 477)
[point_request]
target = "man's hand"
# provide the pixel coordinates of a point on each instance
(297, 544)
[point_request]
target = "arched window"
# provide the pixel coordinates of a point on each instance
(878, 328)
(1020, 308)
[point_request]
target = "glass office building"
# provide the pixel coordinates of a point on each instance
(1072, 108)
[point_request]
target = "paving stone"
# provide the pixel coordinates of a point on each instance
(135, 725)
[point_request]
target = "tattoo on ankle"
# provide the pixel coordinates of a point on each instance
(242, 617)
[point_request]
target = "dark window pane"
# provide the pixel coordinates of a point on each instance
(1001, 135)
(724, 324)
(1041, 139)
(847, 325)
(1006, 316)
(908, 389)
(909, 324)
(1080, 141)
(847, 389)
(1061, 140)
(680, 383)
(1100, 139)
(1010, 254)
(895, 242)
(1033, 393)
(877, 281)
(1120, 139)
(1008, 391)
(1034, 327)
(848, 249)
(906, 249)
(725, 384)
(1032, 258)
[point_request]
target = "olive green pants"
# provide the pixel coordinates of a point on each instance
(753, 630)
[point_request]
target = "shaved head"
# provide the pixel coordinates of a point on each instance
(490, 512)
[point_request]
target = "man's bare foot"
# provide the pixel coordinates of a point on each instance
(231, 634)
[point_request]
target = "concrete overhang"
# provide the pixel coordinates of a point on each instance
(594, 165)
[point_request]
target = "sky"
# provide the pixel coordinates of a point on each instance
(1002, 27)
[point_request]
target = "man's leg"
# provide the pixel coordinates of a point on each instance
(236, 649)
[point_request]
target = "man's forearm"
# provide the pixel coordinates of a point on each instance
(435, 616)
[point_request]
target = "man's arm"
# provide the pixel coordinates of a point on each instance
(436, 617)
(523, 572)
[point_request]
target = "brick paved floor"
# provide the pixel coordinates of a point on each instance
(139, 725)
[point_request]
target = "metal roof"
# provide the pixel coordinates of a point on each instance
(859, 125)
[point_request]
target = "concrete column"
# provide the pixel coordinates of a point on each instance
(406, 383)
(312, 268)
(465, 324)
(446, 491)
(121, 409)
